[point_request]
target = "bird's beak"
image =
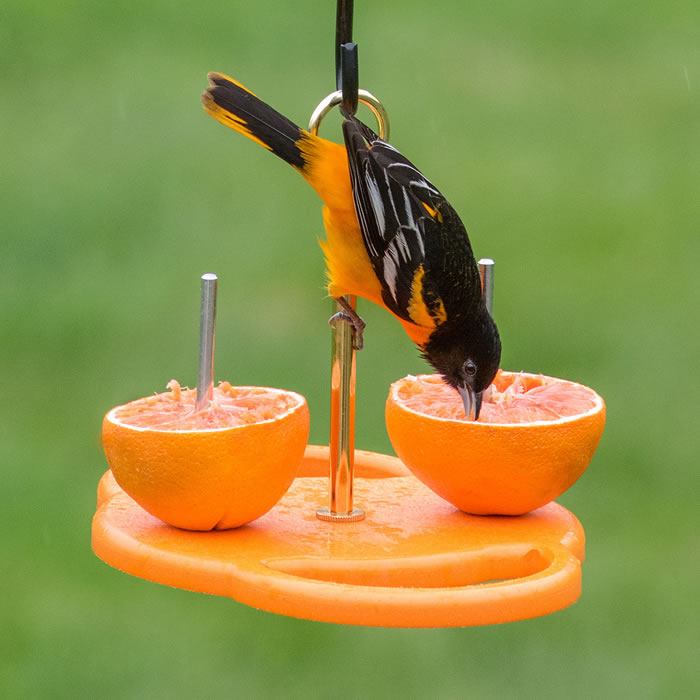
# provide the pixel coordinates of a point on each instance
(471, 401)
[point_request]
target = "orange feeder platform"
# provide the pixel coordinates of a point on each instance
(415, 561)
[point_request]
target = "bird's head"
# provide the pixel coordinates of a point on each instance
(467, 353)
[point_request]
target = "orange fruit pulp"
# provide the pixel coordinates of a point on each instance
(212, 469)
(534, 438)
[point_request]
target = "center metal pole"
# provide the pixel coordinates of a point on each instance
(342, 435)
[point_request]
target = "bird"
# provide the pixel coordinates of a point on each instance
(391, 237)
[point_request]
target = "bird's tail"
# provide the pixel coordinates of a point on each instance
(323, 163)
(235, 106)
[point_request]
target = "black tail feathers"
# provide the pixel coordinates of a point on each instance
(233, 105)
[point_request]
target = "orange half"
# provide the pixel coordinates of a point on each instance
(214, 469)
(534, 438)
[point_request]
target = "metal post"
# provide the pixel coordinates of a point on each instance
(342, 435)
(207, 325)
(486, 270)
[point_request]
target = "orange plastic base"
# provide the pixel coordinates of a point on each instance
(415, 561)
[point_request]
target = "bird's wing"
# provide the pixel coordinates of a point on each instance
(401, 215)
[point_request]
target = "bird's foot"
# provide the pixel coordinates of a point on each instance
(348, 315)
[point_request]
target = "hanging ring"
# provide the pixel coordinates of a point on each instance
(366, 98)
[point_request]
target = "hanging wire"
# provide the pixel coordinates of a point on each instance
(343, 33)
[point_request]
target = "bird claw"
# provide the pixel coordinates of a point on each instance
(358, 326)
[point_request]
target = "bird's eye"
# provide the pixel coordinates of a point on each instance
(469, 368)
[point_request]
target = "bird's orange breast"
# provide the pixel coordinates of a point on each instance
(349, 268)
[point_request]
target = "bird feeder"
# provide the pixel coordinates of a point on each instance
(357, 539)
(403, 558)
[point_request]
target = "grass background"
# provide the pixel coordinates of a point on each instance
(566, 134)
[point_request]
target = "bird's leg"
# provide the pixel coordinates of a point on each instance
(348, 315)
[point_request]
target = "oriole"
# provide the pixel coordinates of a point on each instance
(392, 238)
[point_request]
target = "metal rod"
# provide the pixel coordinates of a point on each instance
(486, 270)
(342, 436)
(207, 325)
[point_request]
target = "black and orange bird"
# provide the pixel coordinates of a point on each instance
(391, 237)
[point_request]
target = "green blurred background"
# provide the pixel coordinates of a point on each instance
(567, 136)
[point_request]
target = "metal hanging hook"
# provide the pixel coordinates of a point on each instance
(349, 78)
(346, 62)
(348, 94)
